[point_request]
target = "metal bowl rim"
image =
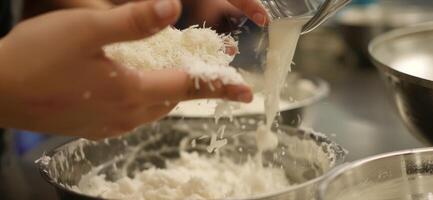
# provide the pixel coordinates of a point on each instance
(337, 171)
(397, 33)
(321, 92)
(44, 172)
(340, 153)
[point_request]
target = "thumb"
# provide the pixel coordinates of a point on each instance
(134, 21)
(177, 85)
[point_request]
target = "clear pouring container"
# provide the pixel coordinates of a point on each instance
(316, 11)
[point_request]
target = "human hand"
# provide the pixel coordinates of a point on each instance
(55, 78)
(218, 14)
(208, 10)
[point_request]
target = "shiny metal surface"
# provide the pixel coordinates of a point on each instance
(317, 11)
(359, 24)
(405, 59)
(325, 11)
(403, 175)
(307, 155)
(294, 90)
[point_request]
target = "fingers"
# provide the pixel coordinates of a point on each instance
(134, 20)
(253, 9)
(130, 121)
(97, 4)
(176, 85)
(158, 112)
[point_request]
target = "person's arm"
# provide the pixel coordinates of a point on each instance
(55, 78)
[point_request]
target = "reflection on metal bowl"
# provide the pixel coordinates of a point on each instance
(358, 25)
(405, 59)
(298, 93)
(398, 176)
(307, 155)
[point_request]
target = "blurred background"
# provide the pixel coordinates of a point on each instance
(358, 113)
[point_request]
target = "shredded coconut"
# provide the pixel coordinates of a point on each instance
(44, 160)
(198, 51)
(190, 177)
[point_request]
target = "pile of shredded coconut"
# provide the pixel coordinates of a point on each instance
(201, 52)
(190, 177)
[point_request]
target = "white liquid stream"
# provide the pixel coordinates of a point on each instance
(283, 38)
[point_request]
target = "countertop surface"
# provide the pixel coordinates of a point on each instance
(358, 114)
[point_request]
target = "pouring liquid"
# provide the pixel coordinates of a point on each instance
(283, 38)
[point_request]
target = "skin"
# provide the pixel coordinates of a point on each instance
(223, 17)
(251, 8)
(55, 78)
(220, 8)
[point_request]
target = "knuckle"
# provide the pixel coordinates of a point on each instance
(85, 27)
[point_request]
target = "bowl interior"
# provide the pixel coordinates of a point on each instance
(304, 155)
(297, 92)
(406, 51)
(397, 176)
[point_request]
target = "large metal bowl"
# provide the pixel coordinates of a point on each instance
(305, 155)
(403, 175)
(405, 59)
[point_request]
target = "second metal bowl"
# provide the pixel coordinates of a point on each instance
(403, 175)
(405, 59)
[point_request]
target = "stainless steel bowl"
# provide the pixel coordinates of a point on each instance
(359, 24)
(307, 155)
(405, 59)
(299, 94)
(403, 175)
